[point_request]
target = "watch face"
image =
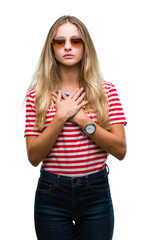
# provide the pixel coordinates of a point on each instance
(90, 128)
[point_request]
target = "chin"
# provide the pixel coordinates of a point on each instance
(69, 63)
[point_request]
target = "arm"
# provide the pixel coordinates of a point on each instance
(39, 146)
(113, 141)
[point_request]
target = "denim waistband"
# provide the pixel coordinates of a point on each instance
(62, 178)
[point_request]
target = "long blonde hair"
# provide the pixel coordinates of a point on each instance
(46, 77)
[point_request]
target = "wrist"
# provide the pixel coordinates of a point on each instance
(60, 118)
(83, 122)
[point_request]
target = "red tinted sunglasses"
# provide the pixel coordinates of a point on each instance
(59, 42)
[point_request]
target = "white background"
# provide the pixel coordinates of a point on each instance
(121, 33)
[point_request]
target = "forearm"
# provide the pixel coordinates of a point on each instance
(41, 145)
(112, 143)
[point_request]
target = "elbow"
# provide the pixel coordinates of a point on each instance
(33, 160)
(32, 153)
(121, 156)
(33, 163)
(122, 153)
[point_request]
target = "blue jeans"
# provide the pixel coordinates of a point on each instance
(68, 208)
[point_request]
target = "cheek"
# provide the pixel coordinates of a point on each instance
(57, 54)
(81, 53)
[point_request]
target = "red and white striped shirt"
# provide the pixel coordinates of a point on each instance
(74, 154)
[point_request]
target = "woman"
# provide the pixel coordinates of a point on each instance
(74, 119)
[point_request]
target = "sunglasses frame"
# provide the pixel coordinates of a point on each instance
(65, 39)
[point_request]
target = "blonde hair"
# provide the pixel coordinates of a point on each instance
(46, 77)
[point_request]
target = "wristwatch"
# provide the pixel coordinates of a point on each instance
(90, 128)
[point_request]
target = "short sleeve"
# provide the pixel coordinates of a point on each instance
(116, 113)
(30, 128)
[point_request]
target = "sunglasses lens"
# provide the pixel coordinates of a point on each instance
(58, 43)
(76, 41)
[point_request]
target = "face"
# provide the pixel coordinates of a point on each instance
(69, 54)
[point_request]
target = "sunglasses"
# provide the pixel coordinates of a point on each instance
(59, 42)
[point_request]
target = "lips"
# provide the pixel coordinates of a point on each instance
(68, 55)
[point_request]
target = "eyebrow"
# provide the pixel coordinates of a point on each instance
(70, 37)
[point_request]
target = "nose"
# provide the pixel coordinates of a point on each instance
(67, 45)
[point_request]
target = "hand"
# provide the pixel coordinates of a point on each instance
(68, 107)
(78, 117)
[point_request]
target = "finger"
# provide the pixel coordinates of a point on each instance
(59, 96)
(54, 99)
(80, 99)
(83, 104)
(55, 94)
(77, 93)
(72, 95)
(63, 96)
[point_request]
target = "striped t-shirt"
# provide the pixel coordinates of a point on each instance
(74, 154)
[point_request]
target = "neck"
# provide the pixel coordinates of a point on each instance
(69, 76)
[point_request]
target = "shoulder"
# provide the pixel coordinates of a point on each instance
(30, 97)
(31, 94)
(108, 86)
